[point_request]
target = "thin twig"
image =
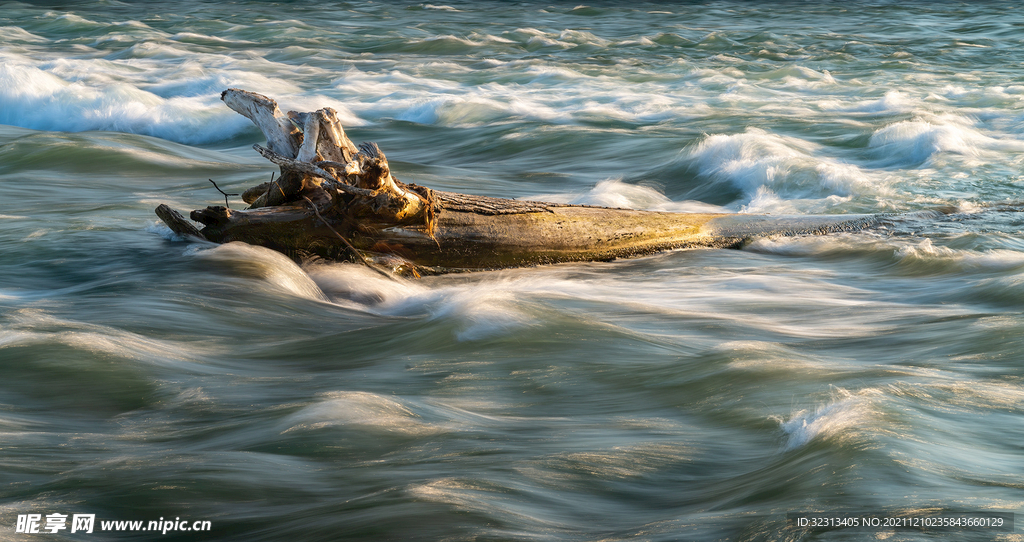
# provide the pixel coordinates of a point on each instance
(222, 192)
(343, 240)
(266, 195)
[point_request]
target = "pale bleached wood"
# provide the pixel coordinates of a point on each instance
(282, 136)
(310, 136)
(334, 145)
(310, 169)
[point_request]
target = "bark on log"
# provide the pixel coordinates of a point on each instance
(515, 233)
(177, 223)
(390, 199)
(362, 206)
(253, 194)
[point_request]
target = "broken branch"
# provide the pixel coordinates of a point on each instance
(310, 169)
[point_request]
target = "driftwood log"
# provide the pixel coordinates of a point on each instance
(337, 201)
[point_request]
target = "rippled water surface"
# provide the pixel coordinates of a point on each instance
(690, 395)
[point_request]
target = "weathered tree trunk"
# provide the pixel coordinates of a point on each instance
(481, 232)
(360, 206)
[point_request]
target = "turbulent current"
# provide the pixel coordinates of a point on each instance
(689, 395)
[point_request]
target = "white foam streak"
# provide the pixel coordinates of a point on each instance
(771, 168)
(967, 260)
(523, 90)
(471, 111)
(617, 194)
(750, 159)
(936, 258)
(277, 271)
(32, 326)
(164, 231)
(40, 100)
(478, 311)
(912, 142)
(800, 77)
(482, 312)
(14, 34)
(505, 304)
(361, 286)
(846, 415)
(892, 102)
(204, 38)
(139, 79)
(360, 410)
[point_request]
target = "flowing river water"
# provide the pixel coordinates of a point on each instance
(689, 395)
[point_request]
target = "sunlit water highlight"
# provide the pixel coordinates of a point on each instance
(690, 395)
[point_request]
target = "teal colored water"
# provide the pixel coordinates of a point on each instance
(690, 395)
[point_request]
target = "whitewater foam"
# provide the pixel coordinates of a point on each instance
(40, 100)
(14, 34)
(361, 286)
(910, 255)
(617, 194)
(603, 386)
(275, 270)
(162, 230)
(482, 312)
(35, 327)
(842, 418)
(964, 260)
(912, 143)
(362, 410)
(893, 102)
(769, 167)
(478, 310)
